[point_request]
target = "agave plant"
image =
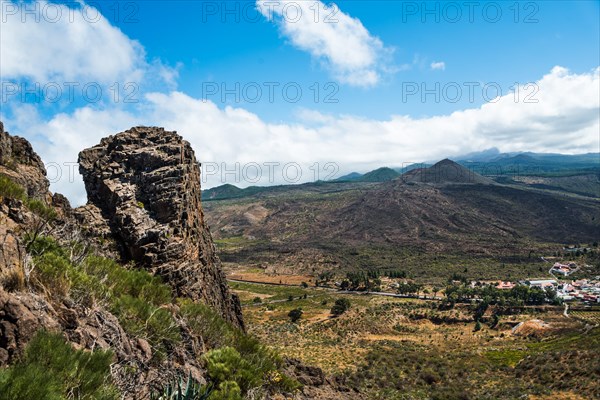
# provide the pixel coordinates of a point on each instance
(192, 390)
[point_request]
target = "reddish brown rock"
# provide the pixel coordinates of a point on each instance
(21, 316)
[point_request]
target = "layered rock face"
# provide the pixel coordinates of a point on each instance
(144, 186)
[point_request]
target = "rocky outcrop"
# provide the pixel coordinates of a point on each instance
(21, 316)
(318, 385)
(19, 162)
(11, 251)
(24, 311)
(143, 187)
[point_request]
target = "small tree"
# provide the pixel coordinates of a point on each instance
(477, 326)
(295, 314)
(340, 307)
(43, 215)
(304, 285)
(495, 321)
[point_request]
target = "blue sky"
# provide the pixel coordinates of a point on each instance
(215, 46)
(362, 68)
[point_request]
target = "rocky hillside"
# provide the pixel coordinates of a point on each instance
(445, 213)
(445, 172)
(124, 296)
(470, 218)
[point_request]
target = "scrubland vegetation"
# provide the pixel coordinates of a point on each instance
(390, 348)
(236, 363)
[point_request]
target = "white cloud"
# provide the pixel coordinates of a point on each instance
(58, 42)
(339, 41)
(46, 42)
(438, 65)
(556, 123)
(60, 139)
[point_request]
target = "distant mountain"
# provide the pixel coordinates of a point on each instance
(228, 191)
(383, 224)
(581, 172)
(494, 155)
(410, 167)
(520, 159)
(443, 172)
(383, 174)
(223, 191)
(534, 164)
(479, 156)
(352, 176)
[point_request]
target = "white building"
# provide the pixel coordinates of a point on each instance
(543, 283)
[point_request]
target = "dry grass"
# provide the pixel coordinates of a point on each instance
(251, 276)
(383, 327)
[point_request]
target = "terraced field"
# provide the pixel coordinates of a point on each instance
(593, 317)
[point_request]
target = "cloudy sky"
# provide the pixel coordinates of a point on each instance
(327, 88)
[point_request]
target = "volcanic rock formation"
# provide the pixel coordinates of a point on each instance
(143, 186)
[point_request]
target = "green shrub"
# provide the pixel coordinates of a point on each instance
(142, 319)
(138, 300)
(51, 275)
(44, 244)
(134, 296)
(10, 189)
(295, 314)
(207, 323)
(249, 366)
(39, 208)
(340, 306)
(52, 370)
(136, 283)
(219, 334)
(227, 364)
(228, 390)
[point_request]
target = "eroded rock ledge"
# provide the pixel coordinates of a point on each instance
(143, 187)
